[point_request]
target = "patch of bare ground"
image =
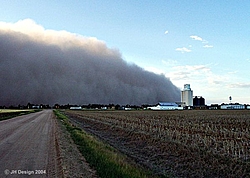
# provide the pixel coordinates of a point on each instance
(71, 160)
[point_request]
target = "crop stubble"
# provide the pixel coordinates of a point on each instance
(178, 143)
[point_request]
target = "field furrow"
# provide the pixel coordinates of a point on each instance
(178, 143)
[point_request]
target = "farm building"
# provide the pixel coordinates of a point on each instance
(36, 107)
(232, 106)
(75, 108)
(166, 106)
(214, 106)
(198, 101)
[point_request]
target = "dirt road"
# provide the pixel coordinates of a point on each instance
(28, 146)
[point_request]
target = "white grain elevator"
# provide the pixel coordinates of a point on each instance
(187, 96)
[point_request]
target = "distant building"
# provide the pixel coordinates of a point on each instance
(166, 106)
(232, 106)
(35, 107)
(214, 106)
(198, 101)
(75, 108)
(187, 96)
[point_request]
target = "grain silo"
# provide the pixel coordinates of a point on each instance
(198, 101)
(187, 96)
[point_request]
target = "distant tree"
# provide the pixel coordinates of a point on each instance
(117, 106)
(56, 106)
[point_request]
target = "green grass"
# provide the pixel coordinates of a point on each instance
(107, 161)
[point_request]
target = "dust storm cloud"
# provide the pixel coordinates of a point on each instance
(47, 66)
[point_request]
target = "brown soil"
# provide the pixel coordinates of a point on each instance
(162, 155)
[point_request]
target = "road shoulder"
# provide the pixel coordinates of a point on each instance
(72, 161)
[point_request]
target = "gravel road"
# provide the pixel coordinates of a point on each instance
(38, 145)
(28, 146)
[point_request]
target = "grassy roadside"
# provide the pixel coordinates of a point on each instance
(8, 114)
(103, 158)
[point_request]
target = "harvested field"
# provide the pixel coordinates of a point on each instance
(176, 143)
(10, 113)
(14, 110)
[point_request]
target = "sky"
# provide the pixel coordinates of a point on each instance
(202, 43)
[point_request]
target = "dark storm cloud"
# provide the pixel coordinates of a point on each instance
(45, 66)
